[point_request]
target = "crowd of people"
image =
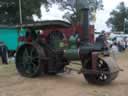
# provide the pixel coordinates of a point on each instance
(120, 44)
(116, 45)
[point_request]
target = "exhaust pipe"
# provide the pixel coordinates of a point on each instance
(84, 21)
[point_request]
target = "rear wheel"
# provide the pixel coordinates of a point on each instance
(56, 62)
(54, 39)
(28, 61)
(103, 74)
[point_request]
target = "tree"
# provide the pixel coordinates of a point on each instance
(126, 26)
(117, 20)
(72, 15)
(9, 9)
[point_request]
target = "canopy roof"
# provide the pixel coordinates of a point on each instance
(40, 25)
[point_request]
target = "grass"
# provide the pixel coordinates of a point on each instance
(123, 55)
(11, 69)
(7, 69)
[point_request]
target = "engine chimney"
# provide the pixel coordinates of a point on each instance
(84, 21)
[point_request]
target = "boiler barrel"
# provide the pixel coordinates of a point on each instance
(72, 54)
(77, 53)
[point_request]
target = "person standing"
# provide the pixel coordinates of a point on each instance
(125, 41)
(30, 35)
(3, 53)
(102, 39)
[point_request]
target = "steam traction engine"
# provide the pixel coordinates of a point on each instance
(50, 54)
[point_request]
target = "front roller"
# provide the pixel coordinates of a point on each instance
(29, 59)
(105, 70)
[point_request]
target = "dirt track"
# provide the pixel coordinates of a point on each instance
(12, 84)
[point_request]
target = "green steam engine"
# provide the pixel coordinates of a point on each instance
(49, 54)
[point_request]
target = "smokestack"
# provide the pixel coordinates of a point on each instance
(84, 21)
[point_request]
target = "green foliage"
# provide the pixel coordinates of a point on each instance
(118, 16)
(9, 10)
(126, 26)
(74, 17)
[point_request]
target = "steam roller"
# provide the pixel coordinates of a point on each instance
(50, 56)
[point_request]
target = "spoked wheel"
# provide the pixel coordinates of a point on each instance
(54, 40)
(28, 61)
(104, 72)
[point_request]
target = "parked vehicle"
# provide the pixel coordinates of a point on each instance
(9, 36)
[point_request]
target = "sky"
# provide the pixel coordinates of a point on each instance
(52, 14)
(103, 15)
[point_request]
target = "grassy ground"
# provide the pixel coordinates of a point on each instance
(12, 84)
(11, 69)
(8, 69)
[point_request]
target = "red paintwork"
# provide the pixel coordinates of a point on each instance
(69, 31)
(66, 31)
(94, 60)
